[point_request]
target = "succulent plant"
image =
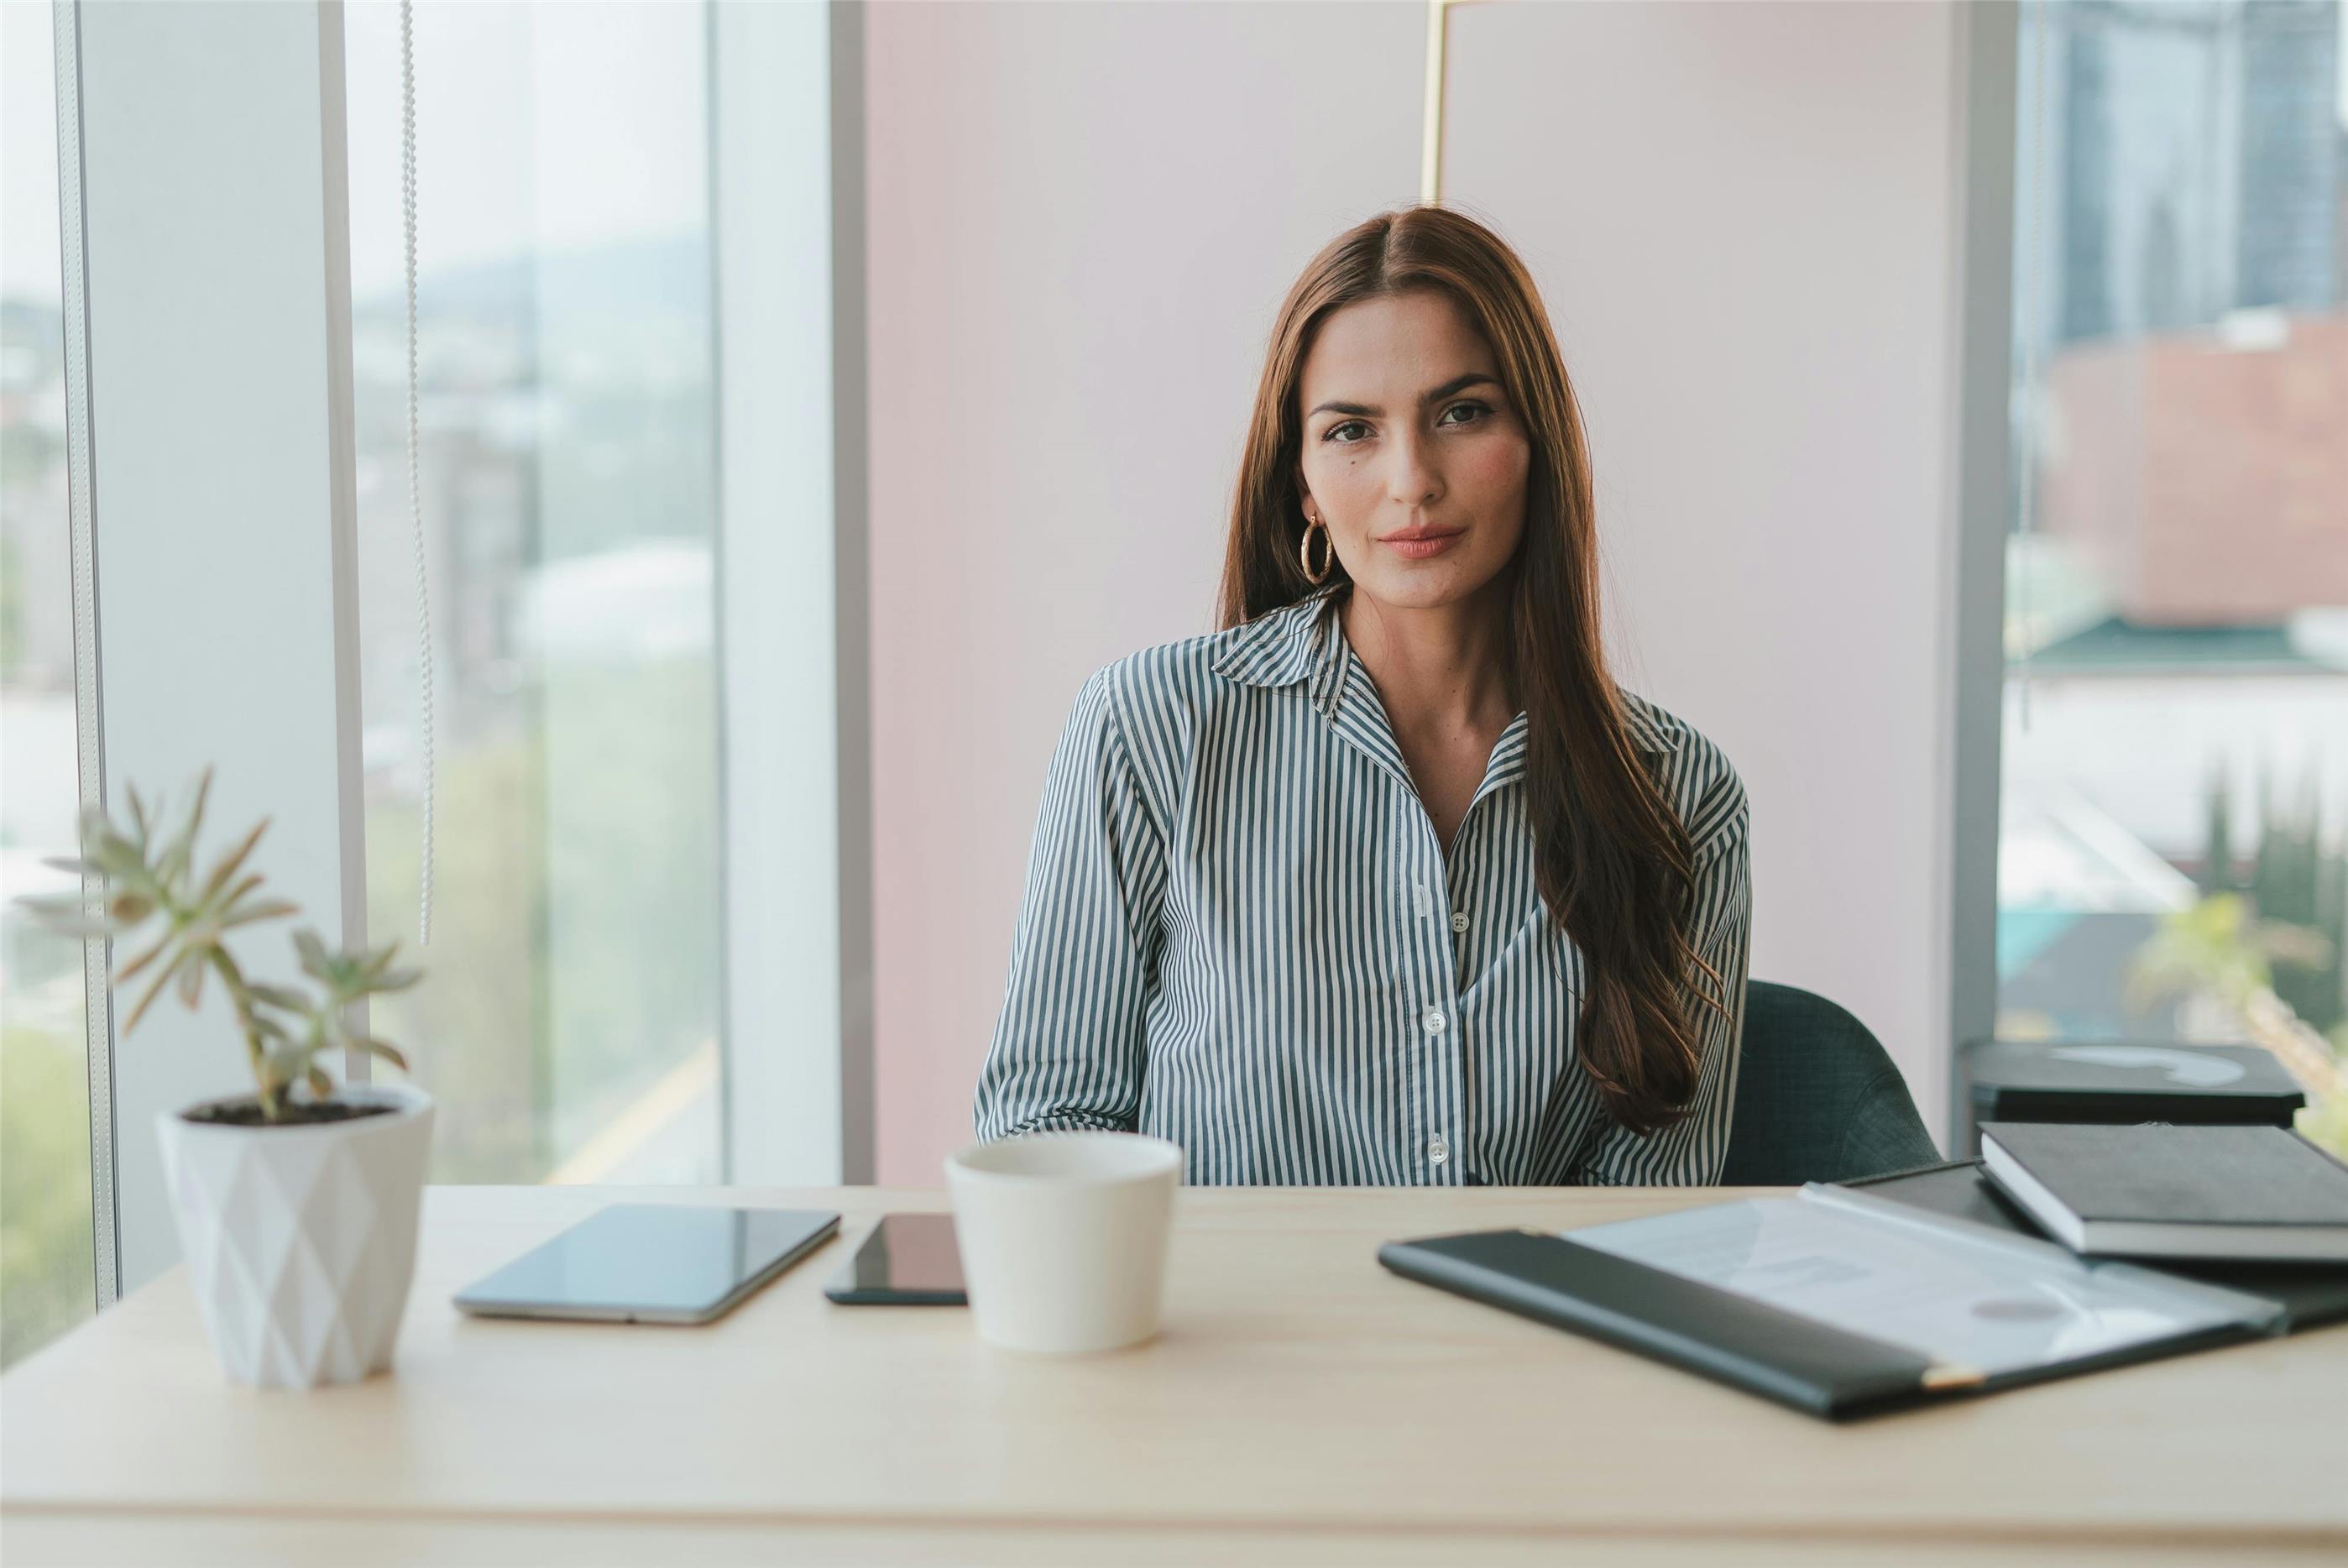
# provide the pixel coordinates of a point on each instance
(147, 878)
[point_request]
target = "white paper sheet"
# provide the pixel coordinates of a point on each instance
(1954, 1293)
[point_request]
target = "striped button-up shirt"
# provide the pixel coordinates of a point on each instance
(1240, 932)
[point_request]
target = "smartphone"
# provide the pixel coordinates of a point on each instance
(909, 1260)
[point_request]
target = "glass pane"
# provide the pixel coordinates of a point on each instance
(2175, 838)
(47, 1278)
(568, 1025)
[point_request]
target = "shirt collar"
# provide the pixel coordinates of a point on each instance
(1283, 646)
(1304, 640)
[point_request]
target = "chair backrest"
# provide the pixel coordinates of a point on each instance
(1818, 1098)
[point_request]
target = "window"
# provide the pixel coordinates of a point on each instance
(2174, 843)
(567, 469)
(47, 1264)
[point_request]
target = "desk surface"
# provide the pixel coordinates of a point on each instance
(1302, 1402)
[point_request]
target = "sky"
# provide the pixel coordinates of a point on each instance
(515, 150)
(29, 261)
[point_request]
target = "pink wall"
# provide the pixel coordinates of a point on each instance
(1743, 219)
(1081, 219)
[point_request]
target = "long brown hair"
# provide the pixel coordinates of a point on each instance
(1611, 857)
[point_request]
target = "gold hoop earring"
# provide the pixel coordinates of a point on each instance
(1304, 551)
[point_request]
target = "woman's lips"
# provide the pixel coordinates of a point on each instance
(1419, 546)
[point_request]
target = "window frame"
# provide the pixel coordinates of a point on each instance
(793, 622)
(89, 752)
(1989, 50)
(182, 351)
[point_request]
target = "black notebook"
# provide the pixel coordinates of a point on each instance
(2156, 1190)
(1836, 1303)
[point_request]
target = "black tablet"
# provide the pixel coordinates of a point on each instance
(650, 1262)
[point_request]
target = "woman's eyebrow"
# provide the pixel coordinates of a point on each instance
(1456, 384)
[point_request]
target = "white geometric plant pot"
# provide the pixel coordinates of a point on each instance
(300, 1240)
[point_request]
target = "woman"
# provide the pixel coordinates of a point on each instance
(1387, 881)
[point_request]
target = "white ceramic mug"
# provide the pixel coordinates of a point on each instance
(1064, 1236)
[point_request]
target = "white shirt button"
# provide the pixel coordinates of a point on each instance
(1459, 923)
(1434, 1020)
(1437, 1150)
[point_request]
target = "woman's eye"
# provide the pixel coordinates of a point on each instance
(1336, 432)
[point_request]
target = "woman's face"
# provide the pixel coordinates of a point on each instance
(1413, 455)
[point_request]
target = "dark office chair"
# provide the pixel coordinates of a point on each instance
(1816, 1097)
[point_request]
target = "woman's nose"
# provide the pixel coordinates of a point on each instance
(1413, 481)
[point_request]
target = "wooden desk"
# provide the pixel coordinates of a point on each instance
(1303, 1405)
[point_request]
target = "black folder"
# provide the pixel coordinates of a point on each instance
(1744, 1342)
(1728, 1339)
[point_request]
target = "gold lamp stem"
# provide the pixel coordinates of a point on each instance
(1430, 163)
(1430, 168)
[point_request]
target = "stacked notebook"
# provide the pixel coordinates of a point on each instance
(1847, 1301)
(2156, 1190)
